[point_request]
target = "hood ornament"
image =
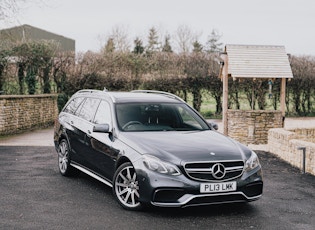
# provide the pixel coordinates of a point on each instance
(212, 153)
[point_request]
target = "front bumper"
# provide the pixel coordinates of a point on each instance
(185, 200)
(180, 191)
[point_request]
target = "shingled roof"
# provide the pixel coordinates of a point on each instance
(258, 61)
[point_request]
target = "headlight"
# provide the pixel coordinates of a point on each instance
(252, 162)
(156, 165)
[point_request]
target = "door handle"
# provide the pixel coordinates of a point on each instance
(89, 133)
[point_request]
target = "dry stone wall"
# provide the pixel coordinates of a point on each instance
(251, 126)
(286, 144)
(25, 112)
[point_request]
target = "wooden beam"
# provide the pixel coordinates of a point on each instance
(282, 96)
(225, 81)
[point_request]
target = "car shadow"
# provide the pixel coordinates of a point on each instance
(206, 211)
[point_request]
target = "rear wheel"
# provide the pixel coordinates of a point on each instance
(126, 187)
(64, 159)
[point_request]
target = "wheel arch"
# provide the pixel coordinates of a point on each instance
(121, 161)
(64, 136)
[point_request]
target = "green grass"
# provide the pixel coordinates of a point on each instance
(208, 106)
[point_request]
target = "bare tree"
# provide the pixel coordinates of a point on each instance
(9, 8)
(184, 37)
(119, 36)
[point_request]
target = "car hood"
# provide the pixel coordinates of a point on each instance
(180, 147)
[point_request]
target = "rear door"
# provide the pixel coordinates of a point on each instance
(83, 127)
(69, 124)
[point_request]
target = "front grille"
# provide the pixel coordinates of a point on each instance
(202, 171)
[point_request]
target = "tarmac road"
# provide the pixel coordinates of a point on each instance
(35, 196)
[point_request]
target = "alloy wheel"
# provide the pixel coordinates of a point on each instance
(63, 158)
(126, 187)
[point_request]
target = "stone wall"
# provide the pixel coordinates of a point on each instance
(251, 126)
(286, 143)
(24, 112)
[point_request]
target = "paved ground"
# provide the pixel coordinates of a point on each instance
(35, 196)
(41, 137)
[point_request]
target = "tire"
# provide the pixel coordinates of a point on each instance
(126, 187)
(64, 166)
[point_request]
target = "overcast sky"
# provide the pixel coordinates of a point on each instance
(263, 22)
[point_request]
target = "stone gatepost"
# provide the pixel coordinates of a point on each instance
(251, 126)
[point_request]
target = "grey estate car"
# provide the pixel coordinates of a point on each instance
(152, 148)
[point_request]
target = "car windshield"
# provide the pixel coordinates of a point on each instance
(133, 117)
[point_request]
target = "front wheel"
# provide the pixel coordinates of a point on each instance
(126, 187)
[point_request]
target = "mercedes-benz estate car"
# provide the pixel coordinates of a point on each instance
(152, 148)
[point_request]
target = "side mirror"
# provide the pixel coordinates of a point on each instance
(101, 128)
(214, 125)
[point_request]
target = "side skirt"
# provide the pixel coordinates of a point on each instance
(84, 170)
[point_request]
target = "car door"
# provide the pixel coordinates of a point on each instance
(103, 155)
(70, 123)
(83, 127)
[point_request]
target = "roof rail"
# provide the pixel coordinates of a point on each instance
(89, 91)
(159, 92)
(96, 91)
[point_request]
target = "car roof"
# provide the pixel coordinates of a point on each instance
(133, 96)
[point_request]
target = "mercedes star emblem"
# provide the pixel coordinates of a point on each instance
(218, 171)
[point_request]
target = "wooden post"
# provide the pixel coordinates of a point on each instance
(282, 99)
(225, 81)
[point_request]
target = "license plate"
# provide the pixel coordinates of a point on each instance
(218, 187)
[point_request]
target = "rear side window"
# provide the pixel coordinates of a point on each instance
(73, 105)
(88, 109)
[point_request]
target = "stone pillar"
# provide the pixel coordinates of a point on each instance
(251, 126)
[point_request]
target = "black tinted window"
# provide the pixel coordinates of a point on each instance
(102, 115)
(88, 109)
(73, 105)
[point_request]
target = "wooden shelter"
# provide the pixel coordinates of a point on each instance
(254, 61)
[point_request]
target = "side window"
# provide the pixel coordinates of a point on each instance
(73, 105)
(88, 109)
(103, 115)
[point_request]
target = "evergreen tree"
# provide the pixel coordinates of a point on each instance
(153, 44)
(197, 47)
(138, 49)
(167, 46)
(213, 44)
